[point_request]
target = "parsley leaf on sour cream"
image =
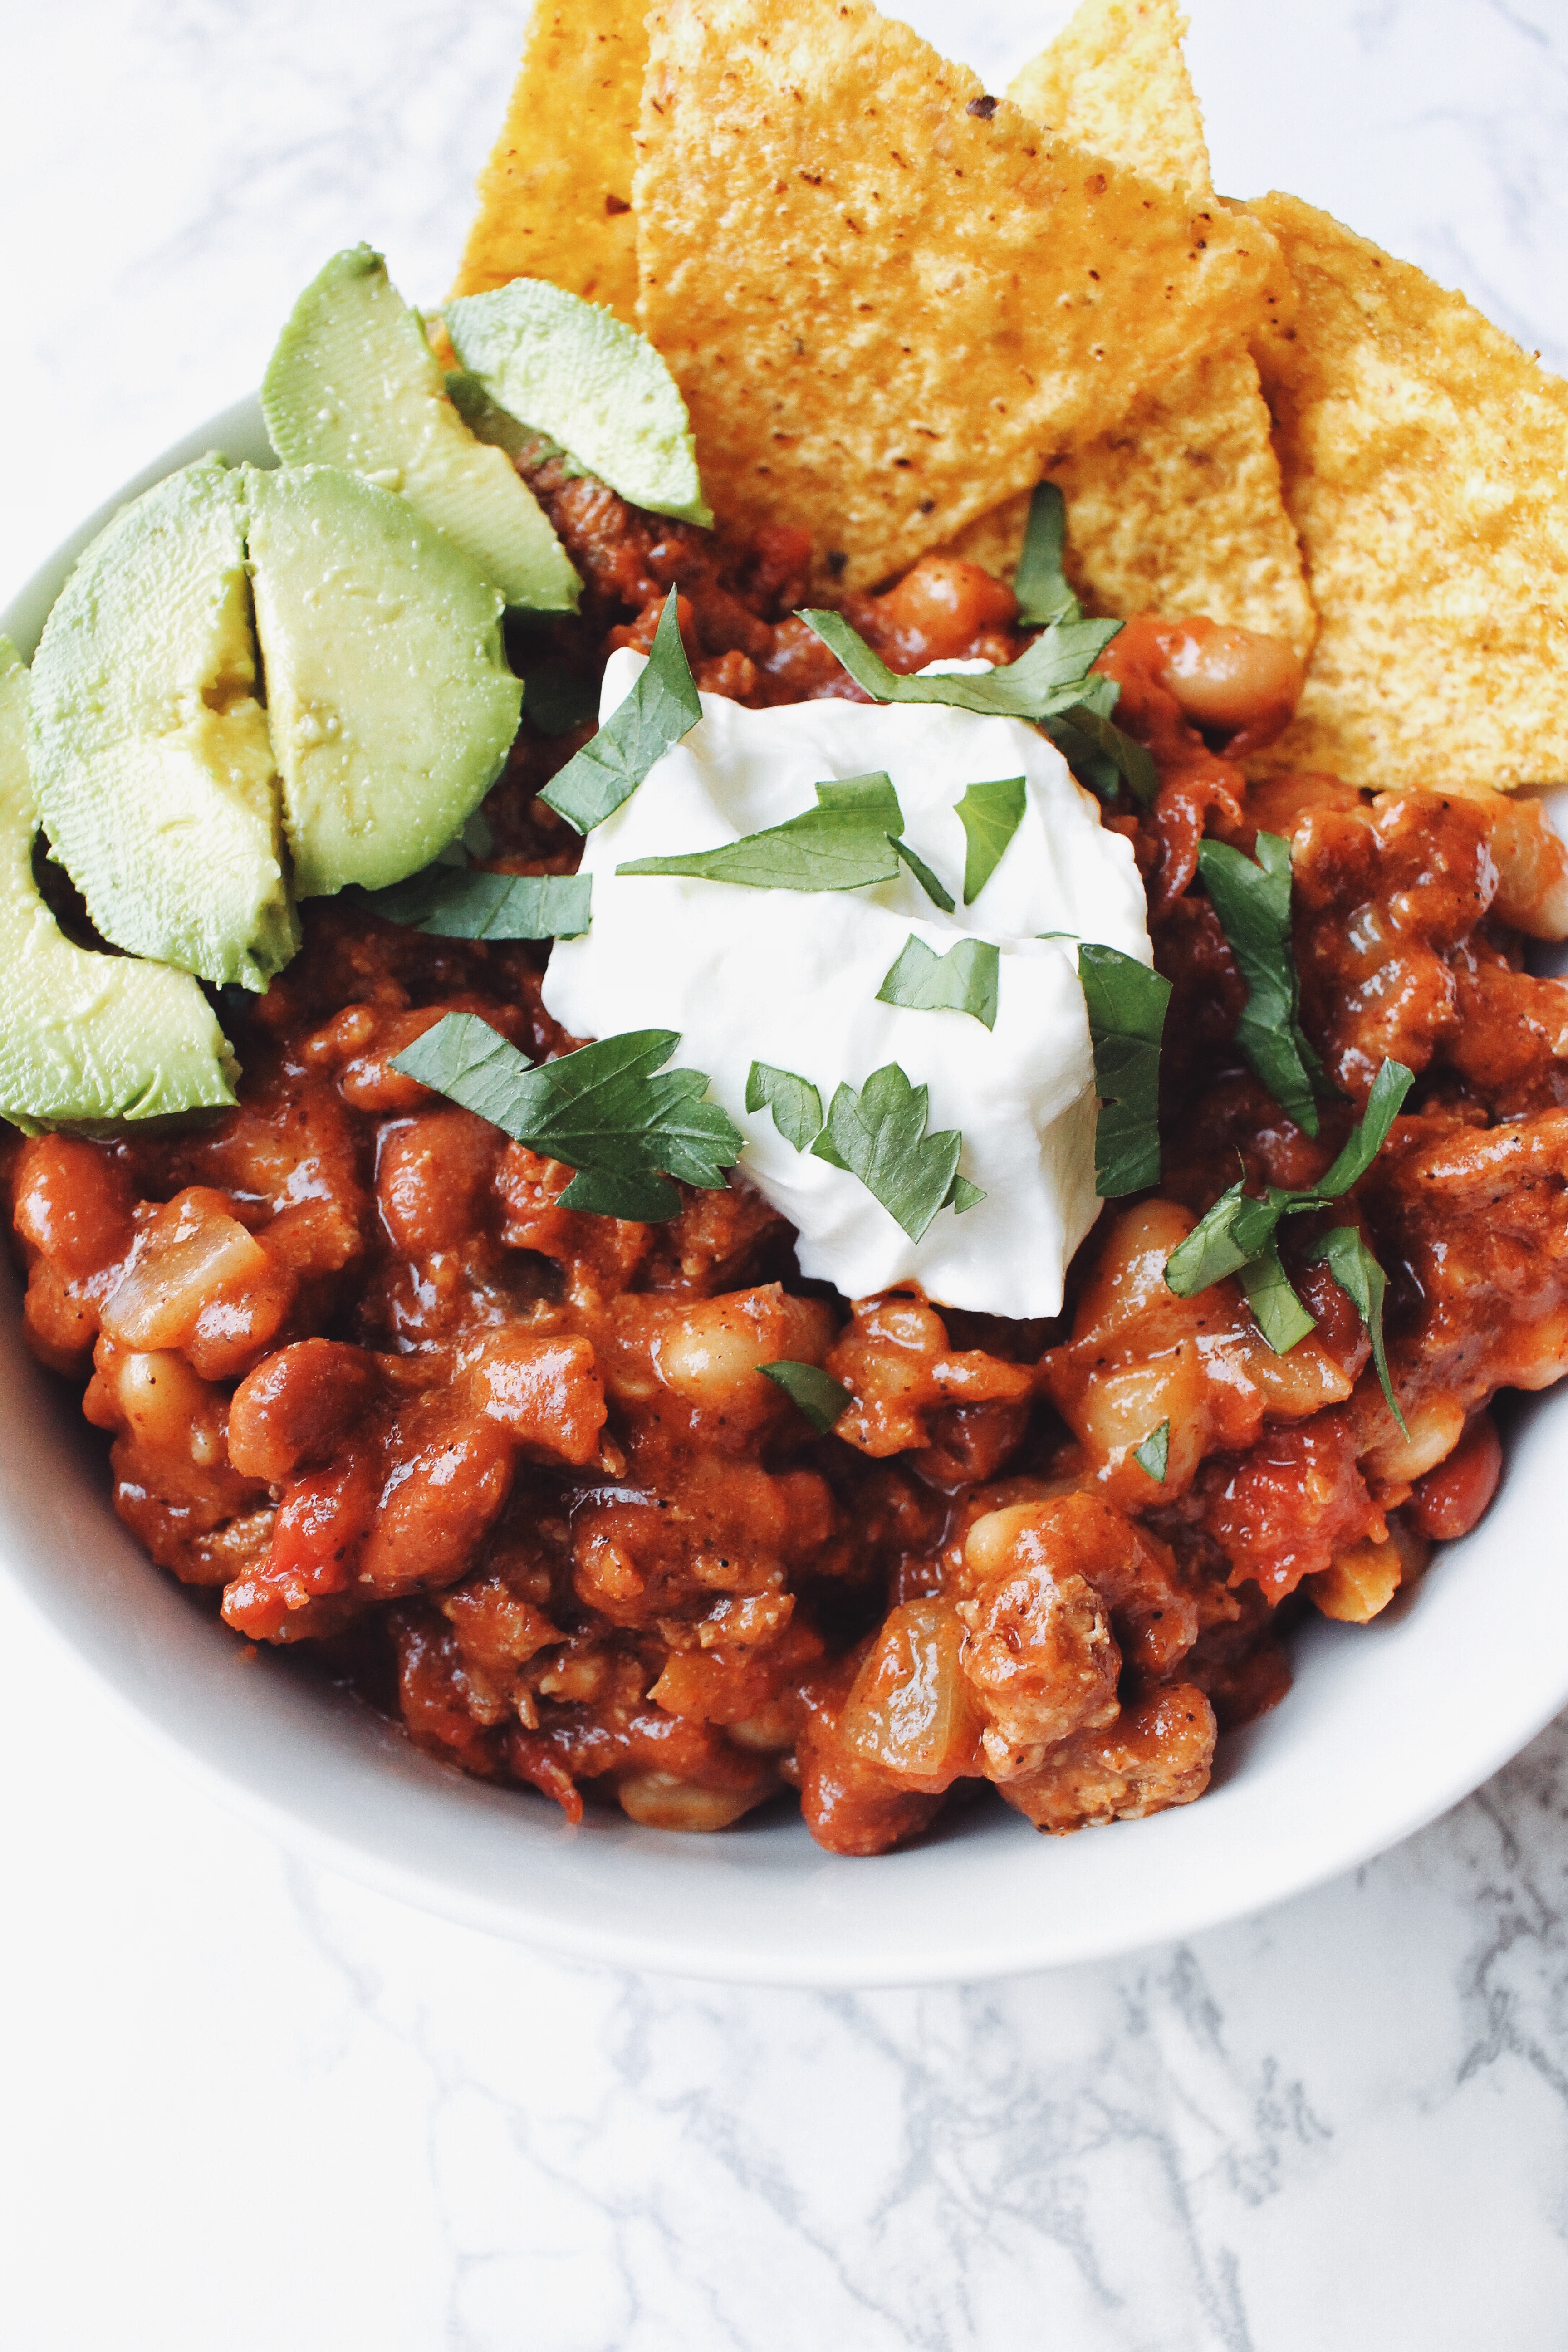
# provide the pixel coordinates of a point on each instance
(964, 979)
(816, 1393)
(925, 878)
(1126, 1004)
(794, 1101)
(990, 815)
(609, 1110)
(847, 842)
(1253, 903)
(843, 843)
(877, 1134)
(470, 903)
(661, 707)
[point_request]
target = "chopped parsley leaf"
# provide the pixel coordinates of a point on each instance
(877, 1133)
(602, 1110)
(1345, 1254)
(1277, 1310)
(817, 1394)
(1253, 903)
(848, 841)
(1099, 755)
(925, 878)
(1237, 1235)
(964, 979)
(1126, 1004)
(1048, 675)
(794, 1101)
(1051, 683)
(990, 815)
(1154, 1455)
(661, 707)
(1040, 584)
(451, 902)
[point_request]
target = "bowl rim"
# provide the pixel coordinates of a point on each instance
(811, 1920)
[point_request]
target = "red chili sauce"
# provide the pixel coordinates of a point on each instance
(513, 1469)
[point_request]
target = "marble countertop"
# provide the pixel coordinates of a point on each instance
(246, 2103)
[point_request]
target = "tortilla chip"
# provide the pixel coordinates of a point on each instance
(1179, 509)
(1424, 456)
(556, 196)
(1115, 80)
(889, 300)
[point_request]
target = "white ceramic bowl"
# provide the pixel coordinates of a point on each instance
(1386, 1726)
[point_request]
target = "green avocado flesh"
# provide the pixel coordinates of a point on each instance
(149, 750)
(571, 370)
(84, 1038)
(354, 383)
(390, 704)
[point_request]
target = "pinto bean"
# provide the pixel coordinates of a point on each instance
(1448, 1501)
(1139, 1356)
(73, 1204)
(432, 1178)
(300, 1406)
(662, 1801)
(1435, 1425)
(61, 1321)
(174, 1483)
(1359, 1585)
(437, 1508)
(165, 1406)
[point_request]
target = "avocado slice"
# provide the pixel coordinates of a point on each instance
(488, 423)
(354, 383)
(149, 750)
(85, 1039)
(579, 374)
(390, 704)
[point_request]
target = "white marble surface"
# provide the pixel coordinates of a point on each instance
(246, 2105)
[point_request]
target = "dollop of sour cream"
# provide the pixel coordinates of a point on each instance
(791, 977)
